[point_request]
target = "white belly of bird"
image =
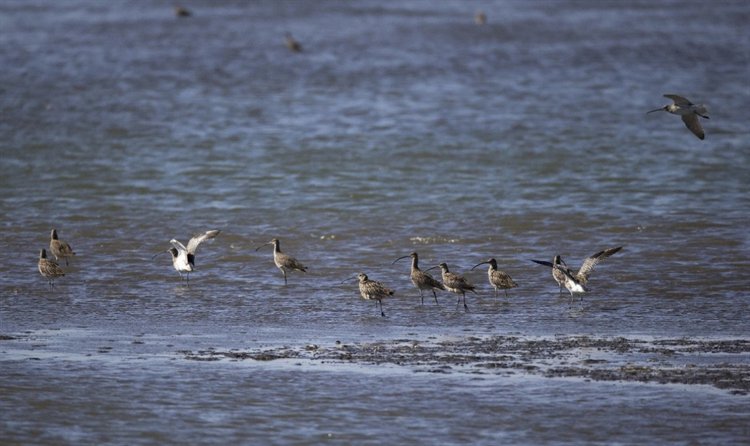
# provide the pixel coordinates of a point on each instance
(574, 287)
(181, 264)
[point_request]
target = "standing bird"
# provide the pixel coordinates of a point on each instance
(455, 283)
(421, 279)
(480, 18)
(688, 111)
(372, 290)
(283, 262)
(48, 268)
(181, 11)
(292, 43)
(498, 279)
(575, 282)
(183, 259)
(59, 248)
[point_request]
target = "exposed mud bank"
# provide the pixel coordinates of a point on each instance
(724, 364)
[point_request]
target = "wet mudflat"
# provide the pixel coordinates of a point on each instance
(724, 364)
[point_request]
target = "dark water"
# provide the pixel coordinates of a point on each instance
(402, 126)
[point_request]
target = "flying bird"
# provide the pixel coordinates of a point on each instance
(688, 111)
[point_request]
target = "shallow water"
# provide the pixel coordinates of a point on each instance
(400, 127)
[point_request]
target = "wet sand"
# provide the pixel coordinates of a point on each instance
(724, 364)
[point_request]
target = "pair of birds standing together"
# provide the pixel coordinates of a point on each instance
(573, 281)
(183, 258)
(61, 250)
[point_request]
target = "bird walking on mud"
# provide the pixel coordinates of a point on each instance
(372, 290)
(455, 283)
(49, 268)
(575, 281)
(688, 111)
(59, 248)
(283, 261)
(420, 279)
(183, 258)
(498, 279)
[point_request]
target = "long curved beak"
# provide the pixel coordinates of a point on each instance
(159, 253)
(483, 263)
(655, 110)
(394, 262)
(347, 279)
(431, 268)
(264, 244)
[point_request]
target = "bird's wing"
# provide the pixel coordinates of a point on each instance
(590, 263)
(679, 100)
(691, 122)
(178, 246)
(198, 239)
(290, 262)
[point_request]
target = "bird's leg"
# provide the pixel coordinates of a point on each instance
(458, 301)
(421, 296)
(434, 294)
(506, 294)
(283, 271)
(382, 313)
(466, 307)
(495, 290)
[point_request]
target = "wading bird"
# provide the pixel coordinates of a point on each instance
(59, 248)
(455, 283)
(283, 262)
(575, 282)
(688, 111)
(183, 259)
(500, 280)
(420, 279)
(372, 290)
(48, 268)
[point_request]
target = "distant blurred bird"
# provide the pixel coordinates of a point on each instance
(480, 18)
(292, 44)
(575, 282)
(180, 11)
(59, 248)
(48, 268)
(283, 261)
(183, 259)
(688, 111)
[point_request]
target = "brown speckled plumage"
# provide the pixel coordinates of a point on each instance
(500, 280)
(48, 268)
(420, 279)
(372, 290)
(59, 248)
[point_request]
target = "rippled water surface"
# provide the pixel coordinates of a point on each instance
(400, 127)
